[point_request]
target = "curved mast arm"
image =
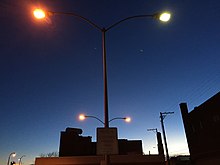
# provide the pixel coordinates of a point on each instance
(128, 18)
(96, 119)
(78, 16)
(123, 118)
(98, 27)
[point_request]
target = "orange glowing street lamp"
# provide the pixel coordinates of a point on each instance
(39, 13)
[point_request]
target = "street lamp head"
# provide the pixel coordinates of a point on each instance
(39, 13)
(13, 154)
(82, 117)
(164, 17)
(127, 119)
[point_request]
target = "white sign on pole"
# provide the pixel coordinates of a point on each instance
(107, 141)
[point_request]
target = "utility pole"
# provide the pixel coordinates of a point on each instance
(162, 117)
(152, 129)
(155, 131)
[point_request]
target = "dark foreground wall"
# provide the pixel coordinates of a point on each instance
(99, 160)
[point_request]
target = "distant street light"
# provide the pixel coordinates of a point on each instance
(162, 117)
(19, 160)
(13, 154)
(40, 14)
(83, 117)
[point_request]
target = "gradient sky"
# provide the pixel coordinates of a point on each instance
(51, 71)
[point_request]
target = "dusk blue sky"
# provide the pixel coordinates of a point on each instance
(51, 71)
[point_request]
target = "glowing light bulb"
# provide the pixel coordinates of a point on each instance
(128, 119)
(39, 13)
(82, 117)
(165, 17)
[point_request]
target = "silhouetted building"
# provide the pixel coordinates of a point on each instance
(202, 128)
(79, 150)
(72, 144)
(127, 147)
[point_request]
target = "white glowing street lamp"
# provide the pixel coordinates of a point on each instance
(165, 17)
(20, 160)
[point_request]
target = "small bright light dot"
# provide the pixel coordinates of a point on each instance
(165, 17)
(39, 13)
(128, 119)
(82, 117)
(14, 154)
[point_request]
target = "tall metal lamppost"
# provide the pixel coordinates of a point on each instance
(41, 14)
(13, 154)
(20, 160)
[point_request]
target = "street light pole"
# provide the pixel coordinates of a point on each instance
(106, 113)
(13, 154)
(40, 14)
(165, 16)
(162, 117)
(20, 162)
